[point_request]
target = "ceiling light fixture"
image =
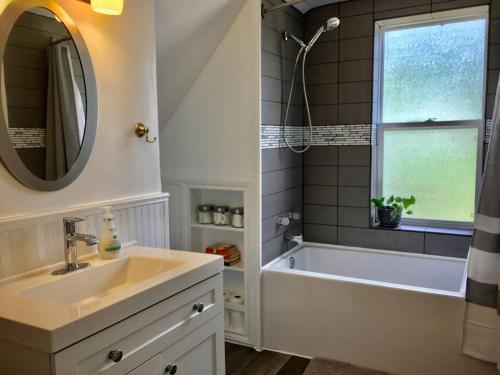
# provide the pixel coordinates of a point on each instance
(108, 7)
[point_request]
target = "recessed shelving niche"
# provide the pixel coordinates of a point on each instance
(203, 235)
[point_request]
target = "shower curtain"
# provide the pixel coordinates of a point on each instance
(65, 115)
(481, 334)
(3, 94)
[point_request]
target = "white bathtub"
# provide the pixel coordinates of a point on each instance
(398, 312)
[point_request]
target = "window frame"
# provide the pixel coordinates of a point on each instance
(383, 26)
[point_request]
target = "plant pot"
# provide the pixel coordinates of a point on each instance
(387, 218)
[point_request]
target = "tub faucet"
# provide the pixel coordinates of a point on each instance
(291, 238)
(70, 252)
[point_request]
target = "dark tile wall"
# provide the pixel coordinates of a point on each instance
(331, 184)
(339, 78)
(282, 170)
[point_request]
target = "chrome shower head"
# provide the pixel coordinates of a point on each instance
(331, 23)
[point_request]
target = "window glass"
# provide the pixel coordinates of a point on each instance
(437, 166)
(434, 71)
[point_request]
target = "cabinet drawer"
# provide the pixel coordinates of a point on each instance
(199, 353)
(144, 334)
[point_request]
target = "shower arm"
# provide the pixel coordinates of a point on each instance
(287, 35)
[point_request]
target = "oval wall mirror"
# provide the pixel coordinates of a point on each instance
(48, 96)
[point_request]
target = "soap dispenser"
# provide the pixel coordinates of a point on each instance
(109, 243)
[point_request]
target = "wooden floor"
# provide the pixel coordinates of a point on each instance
(241, 360)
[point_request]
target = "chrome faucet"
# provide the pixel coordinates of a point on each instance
(70, 252)
(291, 238)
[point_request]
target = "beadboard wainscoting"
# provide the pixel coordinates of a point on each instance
(35, 241)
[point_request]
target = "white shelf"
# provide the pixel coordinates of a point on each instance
(203, 235)
(236, 333)
(238, 267)
(234, 306)
(227, 228)
(236, 337)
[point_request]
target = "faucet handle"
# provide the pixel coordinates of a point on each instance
(69, 224)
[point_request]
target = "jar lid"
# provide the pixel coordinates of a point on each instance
(237, 210)
(205, 207)
(222, 209)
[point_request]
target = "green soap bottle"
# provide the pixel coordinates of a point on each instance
(109, 242)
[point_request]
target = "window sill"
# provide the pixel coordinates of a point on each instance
(422, 229)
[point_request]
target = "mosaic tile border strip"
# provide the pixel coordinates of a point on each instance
(27, 137)
(374, 132)
(487, 131)
(330, 135)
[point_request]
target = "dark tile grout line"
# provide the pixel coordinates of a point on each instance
(343, 186)
(340, 83)
(281, 169)
(335, 205)
(276, 55)
(340, 103)
(337, 82)
(276, 102)
(392, 230)
(293, 225)
(318, 105)
(342, 61)
(338, 192)
(338, 61)
(290, 228)
(277, 79)
(315, 105)
(282, 191)
(338, 165)
(337, 149)
(301, 209)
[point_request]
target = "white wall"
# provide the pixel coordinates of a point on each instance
(214, 133)
(123, 53)
(214, 137)
(189, 33)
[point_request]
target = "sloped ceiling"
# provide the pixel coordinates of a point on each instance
(187, 34)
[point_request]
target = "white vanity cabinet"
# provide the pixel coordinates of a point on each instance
(185, 331)
(182, 334)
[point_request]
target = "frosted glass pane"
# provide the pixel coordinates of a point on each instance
(434, 71)
(437, 166)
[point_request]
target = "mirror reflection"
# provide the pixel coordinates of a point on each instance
(43, 91)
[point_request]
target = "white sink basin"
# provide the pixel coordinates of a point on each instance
(48, 313)
(83, 288)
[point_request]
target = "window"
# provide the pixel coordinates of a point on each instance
(430, 111)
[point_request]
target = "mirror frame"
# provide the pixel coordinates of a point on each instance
(8, 154)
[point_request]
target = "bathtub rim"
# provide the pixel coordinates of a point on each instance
(271, 267)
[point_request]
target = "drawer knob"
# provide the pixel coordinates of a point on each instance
(171, 369)
(198, 307)
(115, 355)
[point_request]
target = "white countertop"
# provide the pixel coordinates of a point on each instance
(50, 326)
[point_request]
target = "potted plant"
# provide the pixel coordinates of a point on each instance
(389, 211)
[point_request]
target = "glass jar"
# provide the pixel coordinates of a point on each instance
(222, 216)
(237, 219)
(205, 214)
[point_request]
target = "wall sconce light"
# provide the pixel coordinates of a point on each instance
(109, 7)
